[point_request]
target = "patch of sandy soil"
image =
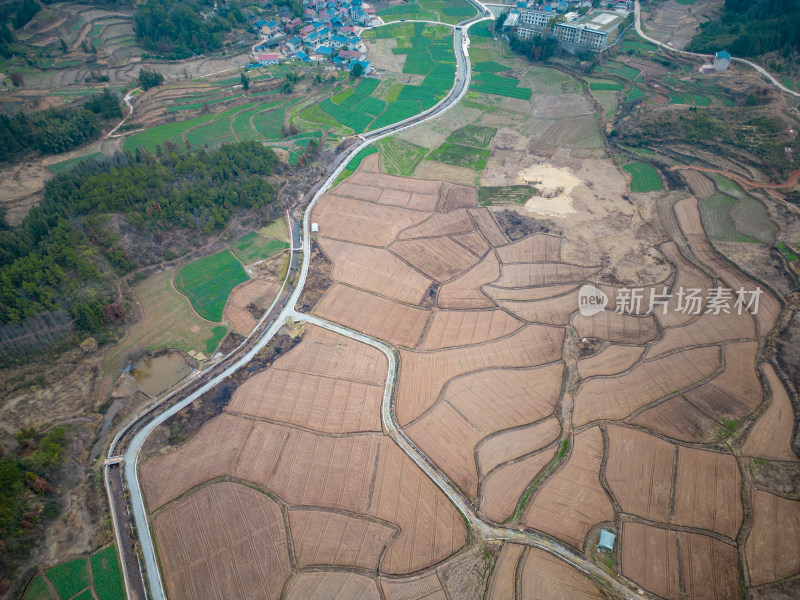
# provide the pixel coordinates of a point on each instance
(554, 184)
(382, 57)
(20, 187)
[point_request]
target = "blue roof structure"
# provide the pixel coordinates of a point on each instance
(606, 540)
(364, 64)
(303, 56)
(723, 54)
(295, 40)
(272, 24)
(325, 50)
(260, 23)
(337, 61)
(339, 39)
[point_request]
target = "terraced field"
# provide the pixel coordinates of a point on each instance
(208, 281)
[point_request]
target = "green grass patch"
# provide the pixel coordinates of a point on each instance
(314, 114)
(645, 178)
(634, 94)
(787, 252)
(360, 155)
(489, 67)
(481, 30)
(69, 577)
(208, 282)
(505, 195)
(106, 575)
(393, 92)
(252, 247)
(473, 135)
(65, 165)
(400, 157)
(38, 590)
(342, 96)
(460, 156)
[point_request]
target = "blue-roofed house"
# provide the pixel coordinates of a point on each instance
(337, 23)
(338, 62)
(270, 28)
(324, 33)
(721, 60)
(325, 51)
(294, 44)
(303, 56)
(360, 17)
(259, 24)
(548, 8)
(606, 540)
(365, 65)
(562, 6)
(338, 41)
(353, 42)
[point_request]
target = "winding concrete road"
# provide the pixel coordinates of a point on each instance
(638, 24)
(617, 585)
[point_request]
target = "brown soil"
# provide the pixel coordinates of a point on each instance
(318, 280)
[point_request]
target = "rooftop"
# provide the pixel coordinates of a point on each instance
(602, 21)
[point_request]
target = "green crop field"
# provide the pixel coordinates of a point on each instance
(84, 595)
(411, 10)
(269, 123)
(237, 109)
(213, 134)
(490, 83)
(208, 282)
(645, 178)
(715, 211)
(252, 247)
(371, 106)
(399, 157)
(243, 128)
(489, 67)
(481, 30)
(349, 118)
(70, 577)
(505, 195)
(604, 85)
(106, 575)
(314, 114)
(396, 111)
(634, 94)
(460, 156)
(473, 135)
(354, 162)
(148, 140)
(38, 590)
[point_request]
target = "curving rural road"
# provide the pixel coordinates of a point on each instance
(638, 24)
(617, 585)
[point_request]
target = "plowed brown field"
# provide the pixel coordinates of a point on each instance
(639, 472)
(618, 397)
(708, 491)
(706, 329)
(710, 568)
(502, 488)
(455, 196)
(572, 501)
(527, 274)
(328, 538)
(701, 186)
(473, 242)
(545, 577)
(211, 453)
(362, 222)
(771, 436)
(503, 584)
(772, 549)
(375, 270)
(612, 360)
(529, 293)
(257, 291)
(616, 327)
(440, 258)
(431, 531)
(449, 328)
(551, 311)
(678, 418)
(508, 445)
(416, 587)
(398, 324)
(736, 391)
(331, 586)
(536, 248)
(688, 277)
(650, 558)
(422, 375)
(439, 224)
(464, 292)
(220, 541)
(488, 226)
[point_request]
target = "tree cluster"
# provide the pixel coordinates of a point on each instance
(56, 130)
(538, 47)
(749, 29)
(63, 256)
(175, 29)
(149, 79)
(26, 494)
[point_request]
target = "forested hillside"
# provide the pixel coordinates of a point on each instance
(56, 130)
(752, 28)
(65, 256)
